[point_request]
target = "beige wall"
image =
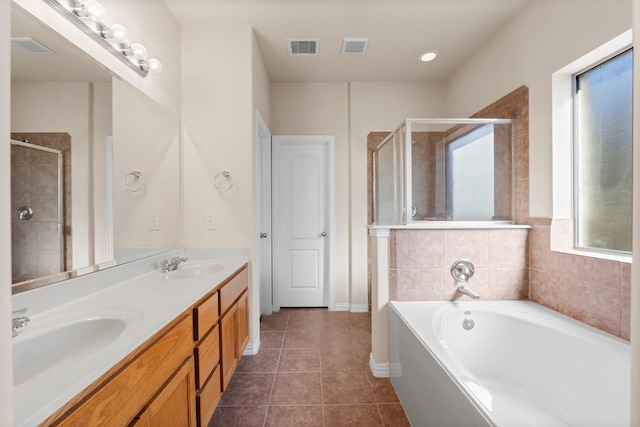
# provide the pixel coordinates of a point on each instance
(146, 140)
(224, 82)
(545, 37)
(102, 127)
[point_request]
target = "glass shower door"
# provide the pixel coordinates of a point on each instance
(36, 204)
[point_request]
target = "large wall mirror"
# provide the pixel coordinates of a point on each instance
(94, 163)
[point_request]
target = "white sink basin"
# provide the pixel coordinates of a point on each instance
(54, 344)
(188, 271)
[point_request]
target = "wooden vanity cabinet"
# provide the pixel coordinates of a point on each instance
(176, 378)
(221, 334)
(234, 333)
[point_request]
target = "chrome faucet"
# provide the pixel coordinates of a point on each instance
(465, 290)
(18, 322)
(172, 264)
(462, 270)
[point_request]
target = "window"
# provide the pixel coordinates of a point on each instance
(470, 173)
(602, 155)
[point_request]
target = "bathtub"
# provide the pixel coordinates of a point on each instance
(505, 363)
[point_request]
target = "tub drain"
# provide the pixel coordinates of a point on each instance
(468, 323)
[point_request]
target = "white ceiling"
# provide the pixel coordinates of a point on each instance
(399, 30)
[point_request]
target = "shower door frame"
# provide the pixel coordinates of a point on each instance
(60, 208)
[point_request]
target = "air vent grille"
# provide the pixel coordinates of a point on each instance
(303, 47)
(354, 46)
(32, 45)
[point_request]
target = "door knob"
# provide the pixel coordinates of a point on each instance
(323, 234)
(263, 235)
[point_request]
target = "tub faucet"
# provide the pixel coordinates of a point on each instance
(172, 264)
(18, 322)
(462, 270)
(465, 290)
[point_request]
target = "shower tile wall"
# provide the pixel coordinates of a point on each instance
(35, 247)
(428, 196)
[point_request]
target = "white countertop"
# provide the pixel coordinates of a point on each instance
(148, 302)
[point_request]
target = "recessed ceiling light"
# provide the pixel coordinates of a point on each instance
(429, 55)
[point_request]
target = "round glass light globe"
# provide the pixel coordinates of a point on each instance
(95, 10)
(154, 65)
(139, 51)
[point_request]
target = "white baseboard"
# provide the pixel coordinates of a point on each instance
(379, 370)
(359, 308)
(353, 308)
(341, 306)
(252, 348)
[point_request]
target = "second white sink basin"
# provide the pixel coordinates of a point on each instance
(40, 352)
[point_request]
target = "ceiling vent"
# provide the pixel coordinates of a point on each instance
(32, 45)
(303, 47)
(354, 46)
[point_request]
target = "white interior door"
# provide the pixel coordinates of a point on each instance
(302, 220)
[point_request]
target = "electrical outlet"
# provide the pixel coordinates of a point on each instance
(210, 222)
(154, 222)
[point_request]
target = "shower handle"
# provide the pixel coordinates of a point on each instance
(25, 213)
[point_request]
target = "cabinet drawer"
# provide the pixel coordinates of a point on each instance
(207, 356)
(233, 289)
(205, 316)
(207, 399)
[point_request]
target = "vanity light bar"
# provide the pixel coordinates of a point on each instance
(90, 17)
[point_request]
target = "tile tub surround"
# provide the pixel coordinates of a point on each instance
(311, 370)
(420, 263)
(593, 290)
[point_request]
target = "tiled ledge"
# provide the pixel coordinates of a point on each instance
(451, 225)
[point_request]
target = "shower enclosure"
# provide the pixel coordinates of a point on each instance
(444, 170)
(36, 204)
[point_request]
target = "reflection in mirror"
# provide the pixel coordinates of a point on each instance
(64, 101)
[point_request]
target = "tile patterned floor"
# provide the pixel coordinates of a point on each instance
(312, 370)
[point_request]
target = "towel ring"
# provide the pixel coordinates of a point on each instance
(223, 181)
(133, 181)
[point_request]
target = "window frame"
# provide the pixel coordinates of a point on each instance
(575, 142)
(562, 90)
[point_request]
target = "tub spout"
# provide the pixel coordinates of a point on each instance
(465, 290)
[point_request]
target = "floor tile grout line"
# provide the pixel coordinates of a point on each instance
(273, 385)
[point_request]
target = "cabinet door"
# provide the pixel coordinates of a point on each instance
(228, 345)
(174, 406)
(242, 329)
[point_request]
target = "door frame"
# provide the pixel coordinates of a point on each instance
(329, 142)
(263, 215)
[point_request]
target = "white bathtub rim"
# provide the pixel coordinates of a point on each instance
(461, 376)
